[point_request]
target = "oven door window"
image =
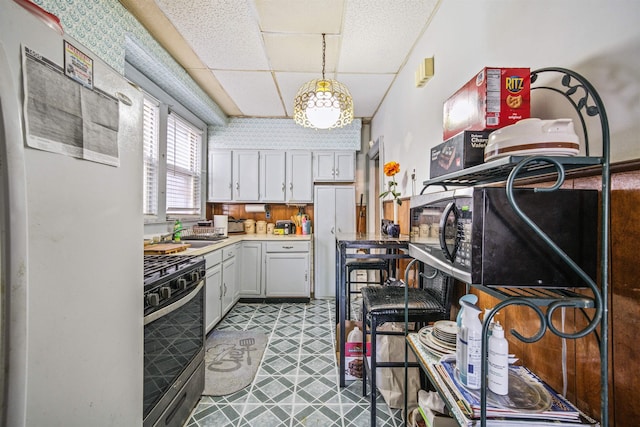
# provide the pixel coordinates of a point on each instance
(171, 342)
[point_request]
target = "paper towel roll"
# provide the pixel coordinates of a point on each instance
(221, 222)
(254, 208)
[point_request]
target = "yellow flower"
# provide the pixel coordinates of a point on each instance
(391, 168)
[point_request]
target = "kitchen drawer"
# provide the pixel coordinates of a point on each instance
(287, 246)
(212, 258)
(229, 251)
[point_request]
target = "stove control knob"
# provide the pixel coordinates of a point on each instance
(165, 292)
(195, 276)
(181, 284)
(153, 299)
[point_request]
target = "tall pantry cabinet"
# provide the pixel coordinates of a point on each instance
(334, 211)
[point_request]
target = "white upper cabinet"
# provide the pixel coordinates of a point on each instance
(246, 167)
(220, 177)
(265, 176)
(334, 166)
(272, 176)
(299, 187)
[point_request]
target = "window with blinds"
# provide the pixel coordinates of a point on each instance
(151, 143)
(184, 142)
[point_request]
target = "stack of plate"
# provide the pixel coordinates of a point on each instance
(439, 339)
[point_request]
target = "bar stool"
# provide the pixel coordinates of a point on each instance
(368, 264)
(381, 304)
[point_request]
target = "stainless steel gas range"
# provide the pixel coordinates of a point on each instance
(174, 335)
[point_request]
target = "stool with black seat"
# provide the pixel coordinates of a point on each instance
(368, 264)
(381, 304)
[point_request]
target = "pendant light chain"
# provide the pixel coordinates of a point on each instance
(324, 50)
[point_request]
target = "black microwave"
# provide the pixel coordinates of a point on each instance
(476, 236)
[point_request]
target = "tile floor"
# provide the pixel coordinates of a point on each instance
(297, 381)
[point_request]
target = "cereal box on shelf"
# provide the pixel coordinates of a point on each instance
(494, 98)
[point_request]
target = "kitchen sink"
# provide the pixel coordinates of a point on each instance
(195, 244)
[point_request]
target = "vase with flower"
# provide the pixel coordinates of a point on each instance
(391, 169)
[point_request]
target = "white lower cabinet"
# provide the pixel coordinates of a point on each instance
(213, 307)
(221, 288)
(287, 269)
(250, 275)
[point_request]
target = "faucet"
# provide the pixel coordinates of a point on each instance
(169, 236)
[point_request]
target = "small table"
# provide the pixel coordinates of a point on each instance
(395, 248)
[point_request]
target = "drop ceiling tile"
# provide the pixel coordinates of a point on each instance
(309, 16)
(300, 52)
(367, 91)
(254, 92)
(379, 34)
(223, 33)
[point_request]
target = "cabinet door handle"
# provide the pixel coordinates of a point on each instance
(337, 172)
(305, 276)
(283, 187)
(333, 172)
(225, 289)
(220, 295)
(230, 185)
(331, 230)
(291, 185)
(287, 247)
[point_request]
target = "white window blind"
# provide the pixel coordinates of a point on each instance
(151, 140)
(183, 166)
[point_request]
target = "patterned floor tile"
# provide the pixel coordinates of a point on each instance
(266, 416)
(317, 364)
(279, 364)
(238, 318)
(317, 318)
(272, 390)
(217, 416)
(316, 331)
(317, 346)
(291, 318)
(239, 397)
(297, 381)
(283, 346)
(287, 331)
(316, 390)
(317, 415)
(245, 308)
(355, 415)
(265, 318)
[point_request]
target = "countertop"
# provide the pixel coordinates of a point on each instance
(371, 238)
(235, 238)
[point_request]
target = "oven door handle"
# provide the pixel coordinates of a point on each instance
(172, 307)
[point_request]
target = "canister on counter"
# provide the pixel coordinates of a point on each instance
(261, 227)
(250, 226)
(270, 227)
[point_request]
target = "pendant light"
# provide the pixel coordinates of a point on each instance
(322, 103)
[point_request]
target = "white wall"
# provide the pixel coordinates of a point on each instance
(598, 39)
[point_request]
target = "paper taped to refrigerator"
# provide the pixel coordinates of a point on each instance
(65, 117)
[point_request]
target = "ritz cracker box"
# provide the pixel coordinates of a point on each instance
(492, 99)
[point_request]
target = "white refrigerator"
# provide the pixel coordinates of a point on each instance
(334, 211)
(71, 222)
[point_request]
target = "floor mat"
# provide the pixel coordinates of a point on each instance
(231, 360)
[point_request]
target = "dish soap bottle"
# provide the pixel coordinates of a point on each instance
(498, 361)
(177, 227)
(471, 336)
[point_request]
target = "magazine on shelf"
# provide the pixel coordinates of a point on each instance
(529, 398)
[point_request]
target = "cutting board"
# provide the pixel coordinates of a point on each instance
(165, 248)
